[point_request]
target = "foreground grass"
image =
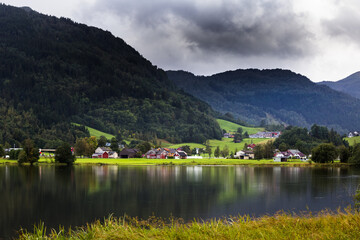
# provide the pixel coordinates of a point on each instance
(325, 225)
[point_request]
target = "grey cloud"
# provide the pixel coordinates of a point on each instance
(346, 25)
(245, 27)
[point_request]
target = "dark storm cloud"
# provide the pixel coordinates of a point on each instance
(245, 28)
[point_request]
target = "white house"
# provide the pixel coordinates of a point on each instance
(101, 150)
(281, 157)
(244, 155)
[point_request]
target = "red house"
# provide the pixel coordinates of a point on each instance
(100, 155)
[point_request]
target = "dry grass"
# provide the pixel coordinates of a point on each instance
(325, 225)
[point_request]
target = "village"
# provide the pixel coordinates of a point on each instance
(247, 153)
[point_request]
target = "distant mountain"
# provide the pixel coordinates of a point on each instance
(276, 96)
(349, 85)
(55, 71)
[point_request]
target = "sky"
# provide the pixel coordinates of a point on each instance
(316, 38)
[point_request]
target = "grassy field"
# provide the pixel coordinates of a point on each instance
(224, 141)
(353, 140)
(97, 133)
(191, 145)
(232, 127)
(325, 225)
(6, 161)
(233, 146)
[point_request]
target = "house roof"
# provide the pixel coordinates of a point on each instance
(182, 153)
(128, 151)
(105, 149)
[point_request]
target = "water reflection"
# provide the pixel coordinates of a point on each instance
(79, 194)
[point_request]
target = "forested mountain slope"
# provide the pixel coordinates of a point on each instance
(54, 72)
(349, 85)
(273, 95)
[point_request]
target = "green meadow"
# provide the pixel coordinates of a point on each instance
(229, 127)
(233, 127)
(97, 133)
(224, 142)
(352, 141)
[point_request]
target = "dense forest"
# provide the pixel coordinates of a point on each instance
(55, 71)
(273, 97)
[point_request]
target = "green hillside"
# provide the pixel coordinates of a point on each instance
(233, 146)
(222, 143)
(274, 96)
(96, 133)
(90, 77)
(353, 140)
(229, 127)
(232, 127)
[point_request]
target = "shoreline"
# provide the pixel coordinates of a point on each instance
(180, 162)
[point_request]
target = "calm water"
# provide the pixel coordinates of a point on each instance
(76, 195)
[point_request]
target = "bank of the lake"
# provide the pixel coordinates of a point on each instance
(145, 162)
(325, 225)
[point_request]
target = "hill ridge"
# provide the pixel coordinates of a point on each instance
(275, 95)
(349, 85)
(68, 72)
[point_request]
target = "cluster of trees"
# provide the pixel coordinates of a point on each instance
(30, 153)
(239, 135)
(98, 81)
(264, 150)
(305, 140)
(223, 153)
(328, 152)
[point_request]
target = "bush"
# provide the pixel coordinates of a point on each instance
(344, 153)
(29, 154)
(14, 154)
(63, 154)
(355, 159)
(324, 153)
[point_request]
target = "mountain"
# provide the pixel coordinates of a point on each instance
(276, 96)
(349, 85)
(55, 71)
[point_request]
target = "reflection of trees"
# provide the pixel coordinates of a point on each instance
(75, 195)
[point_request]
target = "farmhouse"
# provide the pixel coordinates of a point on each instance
(166, 153)
(228, 135)
(281, 157)
(104, 152)
(251, 146)
(265, 135)
(291, 153)
(353, 134)
(100, 155)
(244, 155)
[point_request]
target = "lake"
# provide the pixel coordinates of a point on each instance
(80, 194)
